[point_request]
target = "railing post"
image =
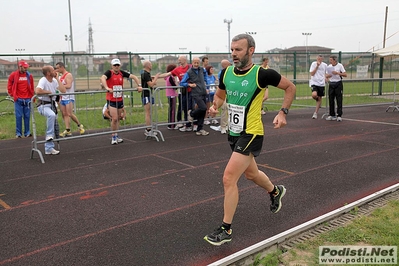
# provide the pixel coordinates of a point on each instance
(294, 68)
(381, 72)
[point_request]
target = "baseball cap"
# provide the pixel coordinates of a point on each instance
(23, 64)
(115, 61)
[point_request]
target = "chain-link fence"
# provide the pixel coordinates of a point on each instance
(88, 68)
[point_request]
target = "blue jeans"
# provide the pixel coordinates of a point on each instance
(22, 110)
(45, 110)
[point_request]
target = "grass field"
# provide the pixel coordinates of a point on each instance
(89, 105)
(380, 228)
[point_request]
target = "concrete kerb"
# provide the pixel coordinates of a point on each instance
(274, 241)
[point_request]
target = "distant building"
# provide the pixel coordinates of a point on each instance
(306, 52)
(35, 67)
(77, 58)
(163, 62)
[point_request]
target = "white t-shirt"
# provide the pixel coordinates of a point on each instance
(44, 84)
(339, 68)
(319, 77)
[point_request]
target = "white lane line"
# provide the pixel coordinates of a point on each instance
(372, 122)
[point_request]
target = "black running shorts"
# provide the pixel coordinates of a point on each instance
(246, 144)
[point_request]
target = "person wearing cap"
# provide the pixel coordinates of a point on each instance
(20, 86)
(318, 82)
(67, 101)
(112, 81)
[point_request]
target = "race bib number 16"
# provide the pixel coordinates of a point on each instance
(236, 118)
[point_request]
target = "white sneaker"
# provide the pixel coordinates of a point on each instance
(52, 152)
(185, 129)
(223, 130)
(179, 125)
(215, 122)
(114, 140)
(195, 128)
(314, 116)
(216, 128)
(189, 117)
(206, 122)
(339, 119)
(150, 133)
(118, 139)
(49, 137)
(331, 118)
(202, 133)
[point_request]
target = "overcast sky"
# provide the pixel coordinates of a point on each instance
(168, 26)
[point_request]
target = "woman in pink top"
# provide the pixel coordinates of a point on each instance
(172, 96)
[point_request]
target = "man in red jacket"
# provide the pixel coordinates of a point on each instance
(21, 88)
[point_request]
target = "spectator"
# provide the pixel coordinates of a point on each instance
(21, 87)
(318, 82)
(107, 115)
(211, 88)
(335, 72)
(112, 80)
(146, 95)
(172, 95)
(49, 84)
(195, 78)
(205, 62)
(265, 65)
(224, 117)
(67, 101)
(185, 100)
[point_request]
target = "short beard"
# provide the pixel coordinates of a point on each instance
(243, 62)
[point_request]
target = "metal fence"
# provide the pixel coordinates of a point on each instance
(89, 105)
(87, 68)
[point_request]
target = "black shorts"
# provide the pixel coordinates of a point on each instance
(117, 105)
(246, 144)
(319, 89)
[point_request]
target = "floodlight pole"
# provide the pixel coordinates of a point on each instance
(71, 40)
(20, 50)
(70, 25)
(228, 21)
(306, 48)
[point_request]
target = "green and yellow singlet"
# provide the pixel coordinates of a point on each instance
(244, 100)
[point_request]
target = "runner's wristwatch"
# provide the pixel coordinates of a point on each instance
(285, 110)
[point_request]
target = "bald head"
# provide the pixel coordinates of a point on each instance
(47, 69)
(147, 65)
(182, 60)
(196, 62)
(225, 63)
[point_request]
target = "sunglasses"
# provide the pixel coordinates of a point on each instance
(117, 65)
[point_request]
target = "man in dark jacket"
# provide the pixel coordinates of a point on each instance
(195, 78)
